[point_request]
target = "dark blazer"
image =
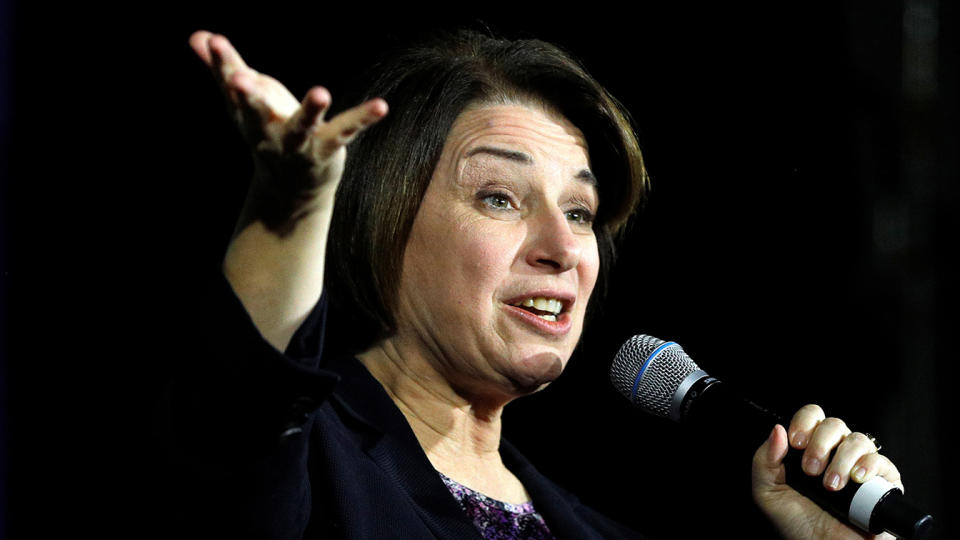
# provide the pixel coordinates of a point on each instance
(270, 445)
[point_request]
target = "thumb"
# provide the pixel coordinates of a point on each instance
(768, 460)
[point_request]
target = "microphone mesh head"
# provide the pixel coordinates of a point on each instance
(650, 382)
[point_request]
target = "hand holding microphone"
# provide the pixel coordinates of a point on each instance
(831, 483)
(805, 492)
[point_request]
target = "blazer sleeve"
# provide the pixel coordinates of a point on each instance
(234, 420)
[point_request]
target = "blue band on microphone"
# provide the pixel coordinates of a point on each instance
(636, 382)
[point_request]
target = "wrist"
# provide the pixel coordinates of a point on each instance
(282, 201)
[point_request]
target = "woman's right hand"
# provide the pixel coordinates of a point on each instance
(275, 261)
(297, 152)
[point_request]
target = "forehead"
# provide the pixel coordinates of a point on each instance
(541, 134)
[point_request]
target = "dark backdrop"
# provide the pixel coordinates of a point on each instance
(796, 240)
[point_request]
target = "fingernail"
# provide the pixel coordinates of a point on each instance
(833, 481)
(799, 440)
(811, 465)
(859, 474)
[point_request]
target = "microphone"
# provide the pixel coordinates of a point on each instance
(658, 377)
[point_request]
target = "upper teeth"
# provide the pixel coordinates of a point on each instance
(543, 304)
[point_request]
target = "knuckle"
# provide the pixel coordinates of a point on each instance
(834, 424)
(816, 449)
(813, 409)
(807, 417)
(837, 470)
(858, 439)
(889, 466)
(871, 462)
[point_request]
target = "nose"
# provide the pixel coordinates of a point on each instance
(552, 244)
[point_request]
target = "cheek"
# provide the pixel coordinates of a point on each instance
(589, 267)
(467, 260)
(483, 261)
(485, 250)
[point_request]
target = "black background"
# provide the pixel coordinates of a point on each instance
(796, 240)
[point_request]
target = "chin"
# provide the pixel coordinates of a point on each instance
(535, 372)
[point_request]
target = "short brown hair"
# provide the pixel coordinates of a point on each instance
(390, 165)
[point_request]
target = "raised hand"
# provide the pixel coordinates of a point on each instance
(297, 152)
(275, 261)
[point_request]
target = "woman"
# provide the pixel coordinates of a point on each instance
(466, 240)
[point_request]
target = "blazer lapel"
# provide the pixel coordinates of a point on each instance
(396, 450)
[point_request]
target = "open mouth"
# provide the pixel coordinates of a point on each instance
(546, 308)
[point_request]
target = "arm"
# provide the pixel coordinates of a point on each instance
(855, 459)
(234, 414)
(275, 261)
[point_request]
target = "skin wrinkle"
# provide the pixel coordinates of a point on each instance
(482, 171)
(521, 157)
(426, 389)
(513, 155)
(487, 128)
(459, 354)
(477, 126)
(412, 398)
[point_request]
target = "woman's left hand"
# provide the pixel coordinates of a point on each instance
(856, 459)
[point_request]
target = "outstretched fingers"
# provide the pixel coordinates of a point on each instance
(223, 61)
(199, 42)
(226, 59)
(267, 97)
(307, 119)
(278, 127)
(344, 127)
(261, 104)
(217, 53)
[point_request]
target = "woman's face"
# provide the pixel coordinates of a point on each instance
(502, 257)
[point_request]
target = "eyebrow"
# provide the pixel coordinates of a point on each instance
(522, 157)
(512, 155)
(586, 176)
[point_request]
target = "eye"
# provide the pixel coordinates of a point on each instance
(580, 216)
(497, 201)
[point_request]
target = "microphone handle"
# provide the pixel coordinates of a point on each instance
(875, 506)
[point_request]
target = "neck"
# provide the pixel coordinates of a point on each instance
(460, 435)
(442, 419)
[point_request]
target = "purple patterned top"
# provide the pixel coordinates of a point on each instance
(498, 520)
